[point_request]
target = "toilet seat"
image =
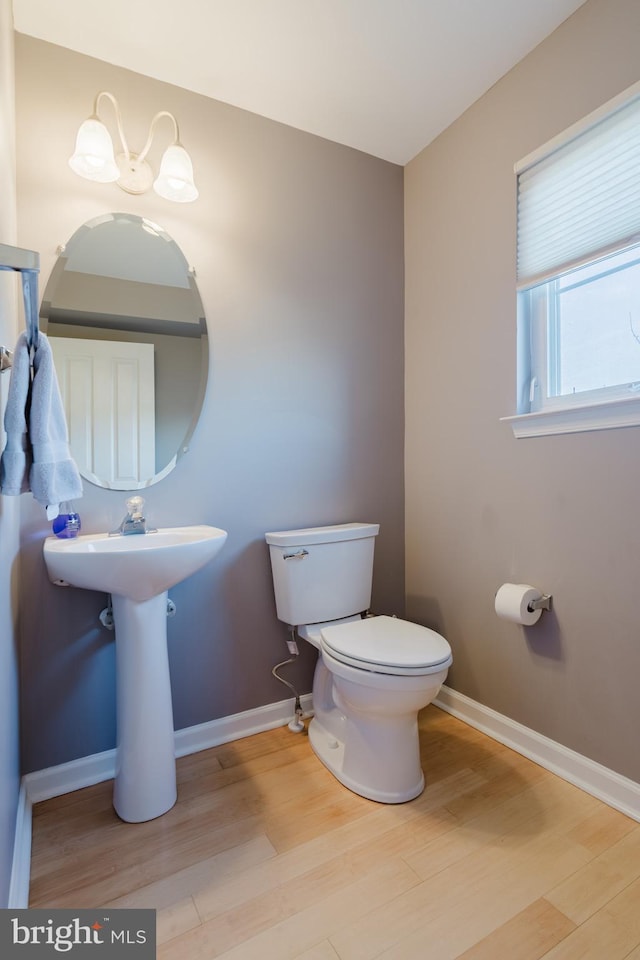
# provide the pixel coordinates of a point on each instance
(387, 645)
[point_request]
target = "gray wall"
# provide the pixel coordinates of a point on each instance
(9, 508)
(298, 247)
(483, 508)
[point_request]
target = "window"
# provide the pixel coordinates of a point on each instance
(579, 276)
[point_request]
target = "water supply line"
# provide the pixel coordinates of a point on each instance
(296, 725)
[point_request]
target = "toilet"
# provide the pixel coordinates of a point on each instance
(374, 673)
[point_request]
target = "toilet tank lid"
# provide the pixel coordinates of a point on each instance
(331, 534)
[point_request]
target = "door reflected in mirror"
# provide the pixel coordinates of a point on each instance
(128, 333)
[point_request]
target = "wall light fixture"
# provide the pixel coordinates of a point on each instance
(94, 158)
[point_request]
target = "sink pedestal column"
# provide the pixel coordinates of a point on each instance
(145, 783)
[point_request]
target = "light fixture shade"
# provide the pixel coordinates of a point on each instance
(175, 179)
(93, 158)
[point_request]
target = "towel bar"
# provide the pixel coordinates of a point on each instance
(27, 264)
(16, 258)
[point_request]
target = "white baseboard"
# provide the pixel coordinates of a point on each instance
(610, 787)
(21, 866)
(238, 725)
(66, 777)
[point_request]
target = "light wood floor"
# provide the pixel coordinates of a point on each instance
(266, 857)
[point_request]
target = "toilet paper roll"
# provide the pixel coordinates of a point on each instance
(512, 603)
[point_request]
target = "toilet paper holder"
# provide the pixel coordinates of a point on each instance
(542, 603)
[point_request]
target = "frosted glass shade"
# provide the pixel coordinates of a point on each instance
(175, 179)
(93, 158)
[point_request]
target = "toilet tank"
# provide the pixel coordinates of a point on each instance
(322, 573)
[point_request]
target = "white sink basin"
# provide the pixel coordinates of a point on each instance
(138, 566)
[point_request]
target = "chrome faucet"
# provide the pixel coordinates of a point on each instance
(135, 521)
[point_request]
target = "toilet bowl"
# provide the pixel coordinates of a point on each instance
(372, 677)
(373, 674)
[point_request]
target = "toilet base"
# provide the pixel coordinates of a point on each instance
(365, 728)
(331, 753)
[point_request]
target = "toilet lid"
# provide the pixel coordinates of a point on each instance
(387, 645)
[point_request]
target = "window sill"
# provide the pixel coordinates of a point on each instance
(606, 415)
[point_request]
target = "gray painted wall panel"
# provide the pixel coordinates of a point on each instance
(298, 247)
(483, 508)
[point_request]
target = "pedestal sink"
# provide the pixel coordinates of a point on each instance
(137, 571)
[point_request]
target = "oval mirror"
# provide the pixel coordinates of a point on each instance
(128, 333)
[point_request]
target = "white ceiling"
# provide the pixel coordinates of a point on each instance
(384, 76)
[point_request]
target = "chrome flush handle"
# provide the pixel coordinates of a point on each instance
(300, 555)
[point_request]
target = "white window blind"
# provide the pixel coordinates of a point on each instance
(579, 197)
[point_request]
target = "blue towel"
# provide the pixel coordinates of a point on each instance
(54, 475)
(37, 455)
(16, 458)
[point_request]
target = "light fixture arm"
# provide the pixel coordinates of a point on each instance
(158, 116)
(116, 107)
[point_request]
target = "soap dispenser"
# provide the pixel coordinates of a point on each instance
(67, 524)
